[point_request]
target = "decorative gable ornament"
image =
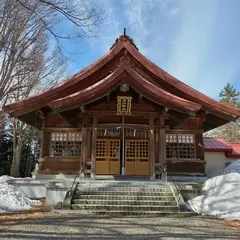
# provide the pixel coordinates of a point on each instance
(124, 87)
(124, 105)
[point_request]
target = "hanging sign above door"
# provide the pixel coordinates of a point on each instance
(124, 104)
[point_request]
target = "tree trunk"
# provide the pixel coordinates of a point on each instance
(15, 168)
(18, 140)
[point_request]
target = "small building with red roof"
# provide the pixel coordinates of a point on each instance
(218, 154)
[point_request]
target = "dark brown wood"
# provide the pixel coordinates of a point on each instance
(45, 142)
(193, 167)
(94, 141)
(60, 129)
(162, 143)
(83, 147)
(199, 146)
(152, 147)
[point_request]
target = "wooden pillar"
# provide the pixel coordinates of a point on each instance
(94, 143)
(199, 150)
(152, 148)
(42, 138)
(83, 147)
(45, 145)
(162, 142)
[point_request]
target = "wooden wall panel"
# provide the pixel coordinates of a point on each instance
(53, 120)
(45, 144)
(59, 165)
(186, 167)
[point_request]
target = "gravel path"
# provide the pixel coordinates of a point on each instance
(76, 226)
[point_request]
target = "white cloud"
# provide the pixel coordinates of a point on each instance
(181, 36)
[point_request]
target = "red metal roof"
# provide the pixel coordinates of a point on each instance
(216, 145)
(231, 150)
(235, 152)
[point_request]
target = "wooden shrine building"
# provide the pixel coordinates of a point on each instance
(122, 115)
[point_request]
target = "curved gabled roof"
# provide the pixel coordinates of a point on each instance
(124, 74)
(91, 83)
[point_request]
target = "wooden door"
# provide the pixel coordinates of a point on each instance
(137, 157)
(108, 156)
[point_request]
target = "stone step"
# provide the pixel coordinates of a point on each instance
(125, 197)
(124, 202)
(126, 193)
(137, 189)
(124, 207)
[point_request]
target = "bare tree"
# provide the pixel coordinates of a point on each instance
(24, 22)
(81, 16)
(45, 76)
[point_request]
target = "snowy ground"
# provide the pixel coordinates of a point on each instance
(220, 195)
(13, 200)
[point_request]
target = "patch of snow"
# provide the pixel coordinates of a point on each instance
(13, 200)
(233, 167)
(220, 195)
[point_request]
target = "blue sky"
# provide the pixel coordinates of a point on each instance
(197, 41)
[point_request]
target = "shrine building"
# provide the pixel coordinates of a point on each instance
(122, 115)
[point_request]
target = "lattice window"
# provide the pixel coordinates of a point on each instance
(107, 149)
(171, 146)
(65, 144)
(102, 149)
(136, 133)
(114, 149)
(137, 150)
(180, 146)
(143, 150)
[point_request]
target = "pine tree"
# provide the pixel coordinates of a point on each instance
(230, 96)
(230, 131)
(6, 145)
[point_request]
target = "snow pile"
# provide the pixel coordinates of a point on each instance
(13, 200)
(233, 167)
(220, 195)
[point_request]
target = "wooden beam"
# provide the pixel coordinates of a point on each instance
(60, 129)
(115, 125)
(94, 144)
(152, 148)
(63, 118)
(182, 131)
(114, 113)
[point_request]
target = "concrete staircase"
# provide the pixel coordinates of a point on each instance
(125, 198)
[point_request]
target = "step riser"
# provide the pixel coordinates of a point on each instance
(139, 203)
(124, 208)
(127, 197)
(130, 193)
(124, 184)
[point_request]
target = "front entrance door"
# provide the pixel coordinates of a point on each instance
(137, 157)
(108, 156)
